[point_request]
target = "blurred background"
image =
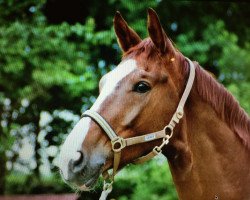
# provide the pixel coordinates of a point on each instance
(52, 54)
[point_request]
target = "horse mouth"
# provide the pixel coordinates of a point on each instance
(90, 184)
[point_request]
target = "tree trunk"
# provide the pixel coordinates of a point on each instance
(37, 147)
(3, 159)
(2, 172)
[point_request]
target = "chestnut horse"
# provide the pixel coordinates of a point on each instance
(209, 149)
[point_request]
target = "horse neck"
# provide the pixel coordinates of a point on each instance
(207, 159)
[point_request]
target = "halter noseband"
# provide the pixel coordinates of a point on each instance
(118, 143)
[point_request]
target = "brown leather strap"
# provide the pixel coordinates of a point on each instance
(147, 157)
(117, 158)
(145, 138)
(101, 122)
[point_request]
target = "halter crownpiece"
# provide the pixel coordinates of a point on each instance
(118, 143)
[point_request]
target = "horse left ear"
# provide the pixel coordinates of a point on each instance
(157, 34)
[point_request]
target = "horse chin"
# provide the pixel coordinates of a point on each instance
(84, 188)
(90, 184)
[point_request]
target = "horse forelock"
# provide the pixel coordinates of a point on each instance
(146, 47)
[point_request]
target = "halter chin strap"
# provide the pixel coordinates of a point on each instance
(118, 143)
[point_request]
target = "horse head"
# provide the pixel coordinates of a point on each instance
(139, 96)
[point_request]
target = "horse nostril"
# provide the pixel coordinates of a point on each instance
(77, 161)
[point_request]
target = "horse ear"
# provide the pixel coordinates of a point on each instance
(126, 36)
(157, 34)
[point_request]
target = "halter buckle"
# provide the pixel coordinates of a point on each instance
(118, 144)
(107, 185)
(169, 129)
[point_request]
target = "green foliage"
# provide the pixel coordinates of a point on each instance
(56, 67)
(47, 57)
(220, 48)
(151, 181)
(240, 91)
(52, 184)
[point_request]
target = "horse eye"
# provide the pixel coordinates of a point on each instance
(141, 87)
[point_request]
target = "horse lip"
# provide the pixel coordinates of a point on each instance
(84, 188)
(90, 183)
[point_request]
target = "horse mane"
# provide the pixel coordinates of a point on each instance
(224, 104)
(211, 91)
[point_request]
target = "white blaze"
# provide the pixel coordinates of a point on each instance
(112, 79)
(75, 139)
(73, 144)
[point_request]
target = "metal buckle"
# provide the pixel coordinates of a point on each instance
(169, 129)
(118, 144)
(158, 149)
(107, 185)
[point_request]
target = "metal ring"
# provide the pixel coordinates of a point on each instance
(169, 131)
(118, 144)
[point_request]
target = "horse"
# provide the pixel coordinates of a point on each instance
(158, 101)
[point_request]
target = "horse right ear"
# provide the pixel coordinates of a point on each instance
(126, 36)
(157, 34)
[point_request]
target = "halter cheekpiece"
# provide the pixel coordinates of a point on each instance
(118, 143)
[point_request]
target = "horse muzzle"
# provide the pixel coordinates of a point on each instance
(79, 173)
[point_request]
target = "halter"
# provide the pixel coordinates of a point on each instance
(118, 143)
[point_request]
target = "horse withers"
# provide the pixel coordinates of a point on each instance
(150, 104)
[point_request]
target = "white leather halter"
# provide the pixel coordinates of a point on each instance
(118, 143)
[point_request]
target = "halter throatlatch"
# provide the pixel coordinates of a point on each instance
(118, 143)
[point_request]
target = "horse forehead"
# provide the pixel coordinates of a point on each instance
(112, 79)
(122, 70)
